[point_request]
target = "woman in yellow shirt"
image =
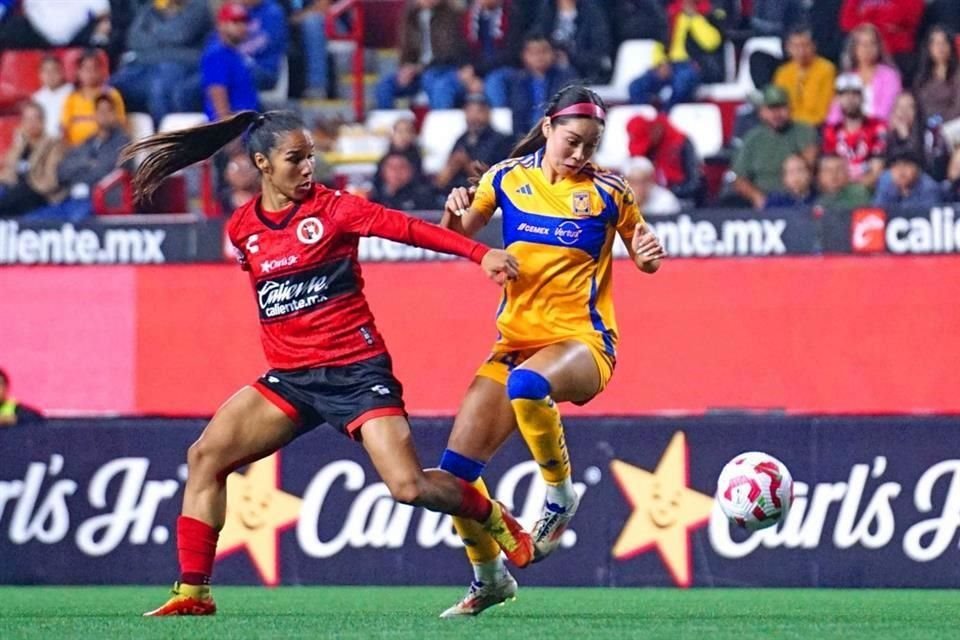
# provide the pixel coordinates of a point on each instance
(558, 334)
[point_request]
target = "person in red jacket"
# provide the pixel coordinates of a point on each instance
(675, 161)
(896, 20)
(328, 362)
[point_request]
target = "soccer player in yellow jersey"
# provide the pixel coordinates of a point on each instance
(558, 334)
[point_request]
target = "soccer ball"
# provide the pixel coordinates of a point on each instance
(755, 490)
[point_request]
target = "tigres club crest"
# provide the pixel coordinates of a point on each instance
(581, 204)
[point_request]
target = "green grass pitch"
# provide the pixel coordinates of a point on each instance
(411, 612)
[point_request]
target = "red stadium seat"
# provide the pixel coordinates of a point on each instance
(8, 124)
(19, 75)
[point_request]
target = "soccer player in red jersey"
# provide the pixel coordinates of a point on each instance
(299, 240)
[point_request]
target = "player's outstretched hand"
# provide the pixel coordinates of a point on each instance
(647, 248)
(458, 202)
(500, 266)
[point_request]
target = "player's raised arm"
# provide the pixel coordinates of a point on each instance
(370, 219)
(645, 249)
(460, 216)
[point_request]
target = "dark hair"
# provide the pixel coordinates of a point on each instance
(569, 95)
(172, 151)
(799, 29)
(49, 57)
(91, 54)
(4, 377)
(925, 72)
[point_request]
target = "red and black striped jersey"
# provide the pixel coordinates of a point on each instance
(307, 279)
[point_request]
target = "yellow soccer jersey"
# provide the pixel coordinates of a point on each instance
(563, 235)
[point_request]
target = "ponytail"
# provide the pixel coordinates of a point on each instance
(172, 151)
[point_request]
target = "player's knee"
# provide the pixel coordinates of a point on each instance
(461, 466)
(406, 491)
(202, 458)
(527, 384)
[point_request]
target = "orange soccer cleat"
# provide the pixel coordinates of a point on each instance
(187, 600)
(515, 543)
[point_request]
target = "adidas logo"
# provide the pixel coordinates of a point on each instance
(526, 190)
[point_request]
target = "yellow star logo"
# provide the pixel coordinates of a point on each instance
(665, 510)
(257, 511)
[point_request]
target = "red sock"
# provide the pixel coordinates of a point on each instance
(196, 548)
(473, 504)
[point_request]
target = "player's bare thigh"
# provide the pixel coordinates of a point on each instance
(570, 368)
(245, 428)
(484, 422)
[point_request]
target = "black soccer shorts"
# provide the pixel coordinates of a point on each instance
(345, 396)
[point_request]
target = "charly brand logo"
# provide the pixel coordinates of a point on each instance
(665, 510)
(568, 232)
(310, 230)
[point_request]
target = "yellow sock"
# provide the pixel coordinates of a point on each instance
(540, 427)
(480, 546)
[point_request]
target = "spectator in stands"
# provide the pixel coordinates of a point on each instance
(896, 22)
(85, 165)
(798, 188)
(823, 25)
(310, 19)
(653, 199)
(53, 94)
(858, 138)
(906, 132)
(675, 161)
(227, 74)
(432, 49)
(689, 60)
(77, 120)
(638, 20)
(834, 186)
(481, 143)
(266, 42)
(757, 164)
(540, 78)
(55, 23)
(776, 17)
(492, 55)
(808, 79)
(579, 31)
(403, 140)
(400, 190)
(28, 177)
(866, 57)
(164, 44)
(241, 181)
(13, 412)
(938, 83)
(905, 183)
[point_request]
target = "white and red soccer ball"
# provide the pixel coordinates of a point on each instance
(755, 490)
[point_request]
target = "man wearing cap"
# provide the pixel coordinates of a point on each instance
(480, 143)
(905, 183)
(227, 74)
(859, 139)
(757, 164)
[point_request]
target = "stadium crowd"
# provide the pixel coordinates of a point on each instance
(858, 102)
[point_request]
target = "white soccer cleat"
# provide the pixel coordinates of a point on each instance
(550, 527)
(481, 596)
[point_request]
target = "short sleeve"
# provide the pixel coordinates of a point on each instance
(741, 166)
(486, 197)
(630, 215)
(214, 69)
